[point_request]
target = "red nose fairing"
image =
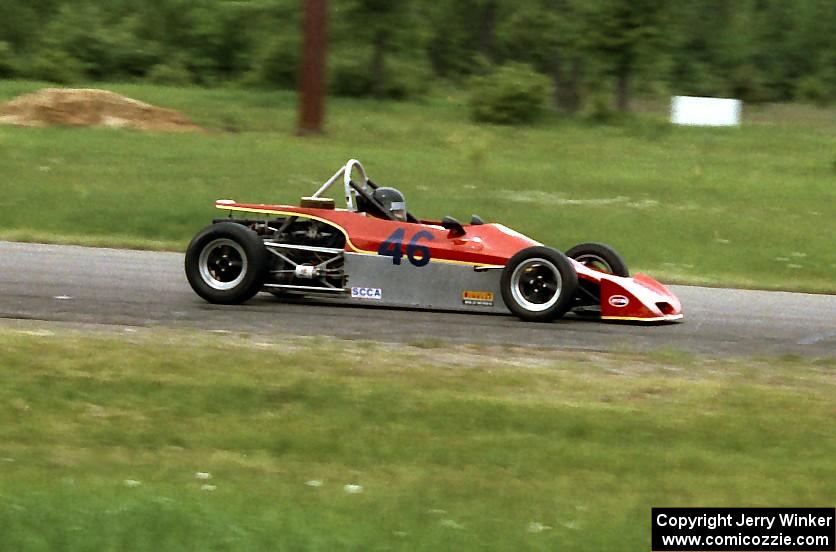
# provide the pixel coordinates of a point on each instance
(639, 298)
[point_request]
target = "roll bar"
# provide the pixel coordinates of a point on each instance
(350, 192)
(353, 189)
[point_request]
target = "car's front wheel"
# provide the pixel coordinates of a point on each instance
(226, 263)
(538, 284)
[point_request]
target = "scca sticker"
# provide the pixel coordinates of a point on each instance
(619, 301)
(478, 298)
(367, 293)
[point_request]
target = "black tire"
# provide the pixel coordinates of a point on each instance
(226, 263)
(601, 257)
(528, 278)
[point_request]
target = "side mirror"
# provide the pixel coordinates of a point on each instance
(476, 220)
(455, 227)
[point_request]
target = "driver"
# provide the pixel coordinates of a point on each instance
(392, 201)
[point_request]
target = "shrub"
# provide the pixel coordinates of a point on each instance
(349, 75)
(814, 89)
(56, 66)
(745, 84)
(695, 78)
(129, 54)
(7, 61)
(599, 107)
(276, 65)
(514, 94)
(106, 49)
(78, 33)
(403, 78)
(173, 74)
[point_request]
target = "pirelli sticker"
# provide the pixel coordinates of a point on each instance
(477, 298)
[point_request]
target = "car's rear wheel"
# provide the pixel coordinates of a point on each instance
(226, 263)
(538, 284)
(600, 257)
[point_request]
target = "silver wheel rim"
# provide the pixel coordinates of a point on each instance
(595, 262)
(536, 284)
(222, 264)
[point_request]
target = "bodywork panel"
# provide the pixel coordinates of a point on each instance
(375, 281)
(484, 244)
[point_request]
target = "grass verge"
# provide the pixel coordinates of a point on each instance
(152, 441)
(751, 207)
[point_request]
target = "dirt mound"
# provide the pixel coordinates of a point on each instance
(90, 107)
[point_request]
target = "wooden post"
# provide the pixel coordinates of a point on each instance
(312, 68)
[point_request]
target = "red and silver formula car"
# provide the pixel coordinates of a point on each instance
(374, 252)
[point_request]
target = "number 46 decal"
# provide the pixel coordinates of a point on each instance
(418, 255)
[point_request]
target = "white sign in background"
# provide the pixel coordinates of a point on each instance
(691, 110)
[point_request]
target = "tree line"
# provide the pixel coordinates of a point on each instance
(590, 50)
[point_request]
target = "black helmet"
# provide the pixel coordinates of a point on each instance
(392, 201)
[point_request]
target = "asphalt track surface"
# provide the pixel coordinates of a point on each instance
(140, 288)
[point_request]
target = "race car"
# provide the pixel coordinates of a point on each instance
(374, 252)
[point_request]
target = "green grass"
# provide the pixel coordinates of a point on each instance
(752, 207)
(470, 448)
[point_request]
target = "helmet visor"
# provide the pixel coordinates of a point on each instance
(398, 209)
